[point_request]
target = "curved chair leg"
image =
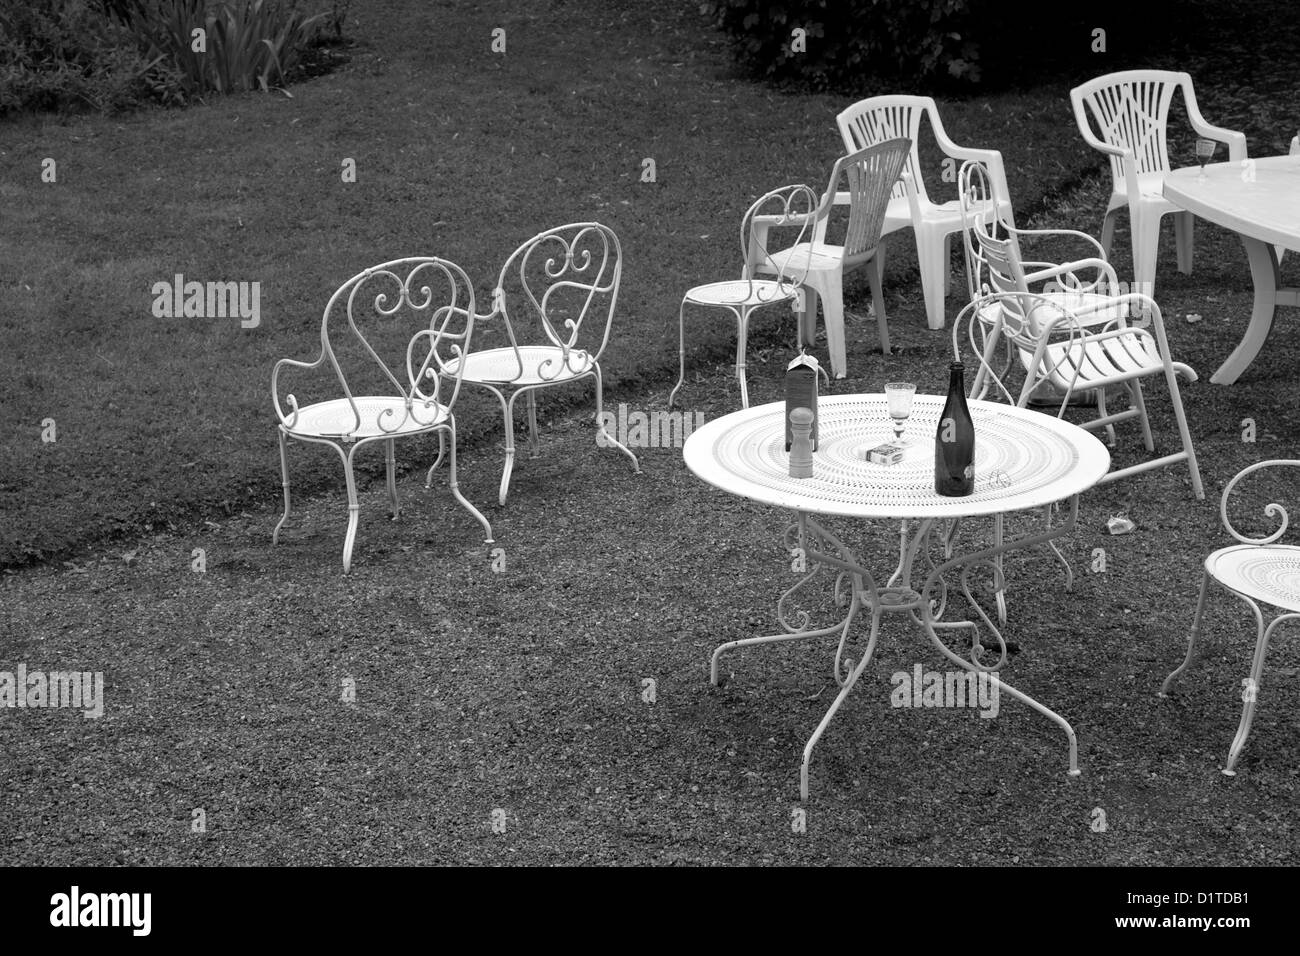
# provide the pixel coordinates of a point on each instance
(390, 469)
(839, 700)
(442, 450)
(508, 409)
(681, 353)
(1184, 230)
(354, 506)
(878, 306)
(532, 424)
(1191, 640)
(1250, 687)
(1000, 593)
(742, 343)
(284, 479)
(455, 485)
(600, 424)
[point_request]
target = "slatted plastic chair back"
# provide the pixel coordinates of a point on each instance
(788, 207)
(559, 290)
(1131, 110)
(883, 118)
(873, 174)
(381, 309)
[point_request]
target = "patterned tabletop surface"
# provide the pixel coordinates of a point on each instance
(1023, 459)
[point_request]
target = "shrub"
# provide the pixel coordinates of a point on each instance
(943, 44)
(247, 44)
(65, 54)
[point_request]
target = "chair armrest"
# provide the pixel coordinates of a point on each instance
(289, 421)
(1236, 142)
(1101, 253)
(1105, 271)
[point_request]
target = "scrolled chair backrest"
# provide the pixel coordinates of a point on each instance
(381, 306)
(992, 251)
(558, 290)
(788, 207)
(1271, 510)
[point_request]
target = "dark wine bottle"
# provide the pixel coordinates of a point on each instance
(954, 444)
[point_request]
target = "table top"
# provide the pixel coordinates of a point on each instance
(1023, 459)
(1267, 209)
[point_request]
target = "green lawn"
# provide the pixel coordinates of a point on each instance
(459, 152)
(521, 691)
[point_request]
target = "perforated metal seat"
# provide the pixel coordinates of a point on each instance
(528, 365)
(376, 416)
(1257, 571)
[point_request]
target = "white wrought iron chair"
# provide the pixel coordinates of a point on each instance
(1258, 571)
(1131, 110)
(880, 118)
(872, 174)
(1076, 336)
(789, 206)
(561, 287)
(437, 294)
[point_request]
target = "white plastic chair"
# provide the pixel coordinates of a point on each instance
(1259, 571)
(880, 118)
(560, 287)
(872, 175)
(1076, 336)
(438, 294)
(1131, 110)
(790, 206)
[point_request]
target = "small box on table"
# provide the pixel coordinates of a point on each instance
(886, 454)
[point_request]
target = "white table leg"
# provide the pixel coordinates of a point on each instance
(1265, 273)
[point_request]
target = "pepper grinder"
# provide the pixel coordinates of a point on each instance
(801, 454)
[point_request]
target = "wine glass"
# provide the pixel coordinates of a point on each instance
(899, 395)
(1204, 151)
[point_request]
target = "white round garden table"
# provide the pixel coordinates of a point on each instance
(1259, 199)
(1025, 461)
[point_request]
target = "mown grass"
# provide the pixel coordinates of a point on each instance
(459, 152)
(521, 691)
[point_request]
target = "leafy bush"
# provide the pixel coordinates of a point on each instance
(245, 44)
(65, 54)
(116, 54)
(943, 44)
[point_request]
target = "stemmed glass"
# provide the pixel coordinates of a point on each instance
(1204, 151)
(899, 396)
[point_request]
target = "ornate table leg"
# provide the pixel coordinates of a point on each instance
(929, 621)
(796, 536)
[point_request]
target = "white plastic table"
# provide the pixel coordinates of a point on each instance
(1024, 461)
(1261, 203)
